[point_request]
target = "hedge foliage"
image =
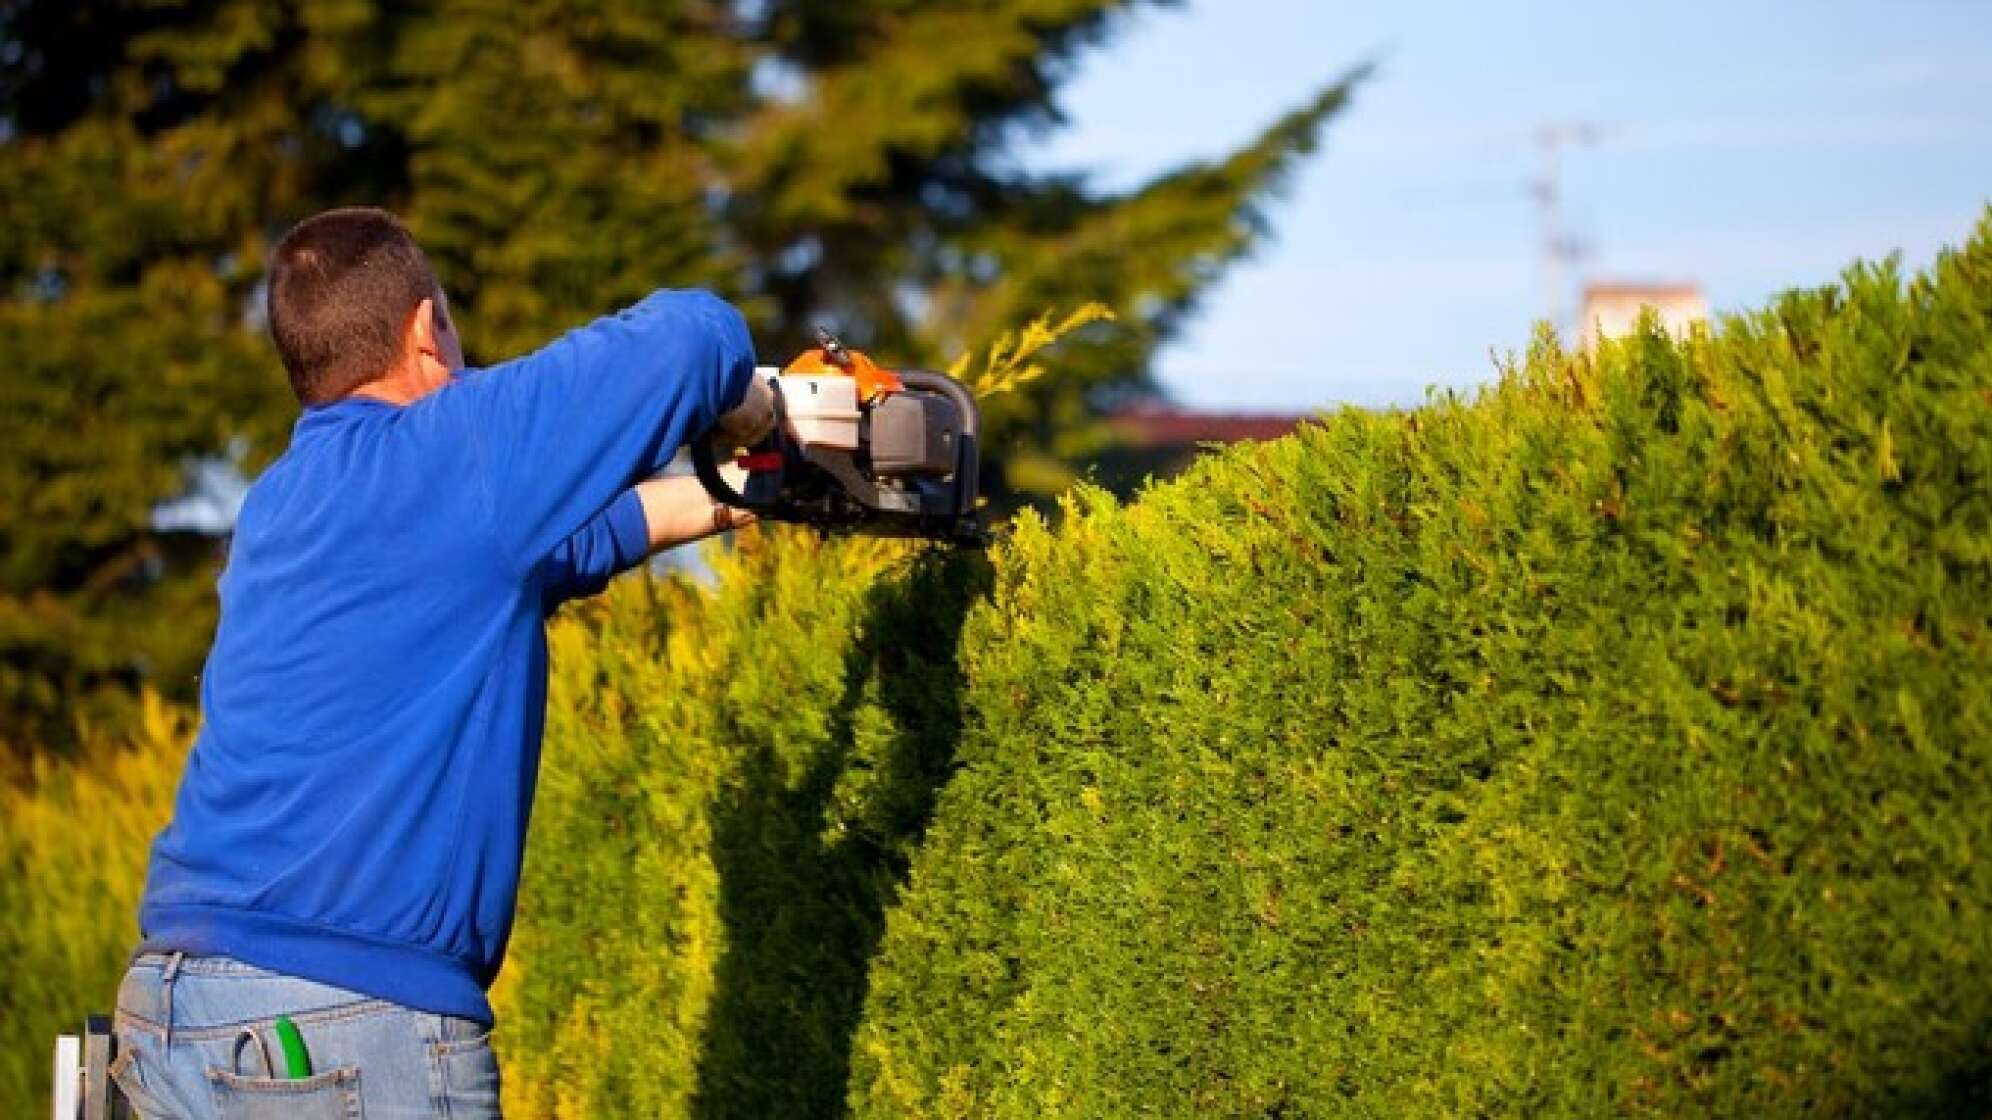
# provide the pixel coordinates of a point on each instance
(732, 788)
(74, 837)
(1617, 741)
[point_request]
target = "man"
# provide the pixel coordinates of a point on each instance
(346, 843)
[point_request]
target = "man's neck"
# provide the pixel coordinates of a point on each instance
(394, 392)
(405, 386)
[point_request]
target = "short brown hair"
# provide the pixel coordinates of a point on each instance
(342, 286)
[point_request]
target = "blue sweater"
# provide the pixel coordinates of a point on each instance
(354, 810)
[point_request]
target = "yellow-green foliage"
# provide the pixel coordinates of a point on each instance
(1009, 361)
(1618, 742)
(731, 789)
(73, 845)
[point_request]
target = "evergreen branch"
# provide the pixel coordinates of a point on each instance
(1008, 363)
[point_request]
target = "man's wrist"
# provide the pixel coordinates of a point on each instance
(747, 422)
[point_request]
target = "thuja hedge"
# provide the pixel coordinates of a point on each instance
(73, 842)
(1619, 741)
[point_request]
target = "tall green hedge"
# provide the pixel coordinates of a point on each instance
(1617, 742)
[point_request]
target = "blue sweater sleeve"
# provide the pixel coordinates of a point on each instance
(559, 433)
(616, 540)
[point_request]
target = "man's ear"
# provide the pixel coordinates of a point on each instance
(420, 337)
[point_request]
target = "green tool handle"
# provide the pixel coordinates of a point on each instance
(297, 1063)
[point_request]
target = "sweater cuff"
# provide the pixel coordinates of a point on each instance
(630, 529)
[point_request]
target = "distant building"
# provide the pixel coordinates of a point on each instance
(1154, 440)
(1612, 310)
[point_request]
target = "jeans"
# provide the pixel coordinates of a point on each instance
(196, 1039)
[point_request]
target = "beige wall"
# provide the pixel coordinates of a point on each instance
(1611, 310)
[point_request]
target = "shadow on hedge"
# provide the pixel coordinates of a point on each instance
(1963, 1093)
(811, 854)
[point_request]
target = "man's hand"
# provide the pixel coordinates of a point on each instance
(749, 421)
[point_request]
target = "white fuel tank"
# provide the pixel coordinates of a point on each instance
(822, 411)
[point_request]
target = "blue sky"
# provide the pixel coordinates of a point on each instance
(1748, 147)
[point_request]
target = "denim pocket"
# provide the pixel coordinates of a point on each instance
(332, 1095)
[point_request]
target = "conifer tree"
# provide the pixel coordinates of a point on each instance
(840, 162)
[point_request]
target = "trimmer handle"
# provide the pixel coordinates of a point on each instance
(705, 462)
(968, 463)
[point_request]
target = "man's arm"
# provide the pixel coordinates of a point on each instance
(558, 435)
(678, 510)
(654, 515)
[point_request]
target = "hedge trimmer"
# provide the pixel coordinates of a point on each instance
(860, 449)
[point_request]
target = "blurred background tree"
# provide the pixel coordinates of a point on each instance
(841, 162)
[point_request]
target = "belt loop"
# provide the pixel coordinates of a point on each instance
(166, 981)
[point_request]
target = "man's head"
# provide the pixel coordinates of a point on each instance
(354, 303)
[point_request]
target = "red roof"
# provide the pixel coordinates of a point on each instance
(1156, 425)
